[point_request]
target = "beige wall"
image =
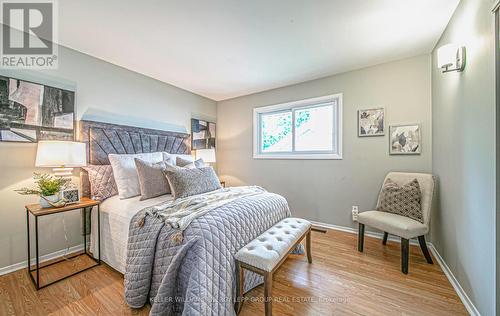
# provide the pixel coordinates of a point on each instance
(463, 113)
(325, 190)
(104, 92)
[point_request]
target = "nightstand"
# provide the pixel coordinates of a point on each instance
(37, 211)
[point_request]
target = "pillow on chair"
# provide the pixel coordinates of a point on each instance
(401, 200)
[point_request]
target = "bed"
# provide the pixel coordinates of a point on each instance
(193, 276)
(116, 215)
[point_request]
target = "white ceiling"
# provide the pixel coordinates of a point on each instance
(227, 48)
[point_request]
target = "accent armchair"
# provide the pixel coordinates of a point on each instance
(402, 226)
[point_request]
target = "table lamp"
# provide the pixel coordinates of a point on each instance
(62, 156)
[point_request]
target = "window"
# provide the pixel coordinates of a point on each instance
(306, 129)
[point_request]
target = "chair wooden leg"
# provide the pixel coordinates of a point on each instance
(240, 283)
(361, 237)
(423, 246)
(405, 254)
(308, 247)
(268, 296)
(384, 241)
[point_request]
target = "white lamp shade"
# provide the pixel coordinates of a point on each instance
(55, 154)
(208, 155)
(447, 55)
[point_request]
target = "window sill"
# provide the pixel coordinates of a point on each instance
(299, 156)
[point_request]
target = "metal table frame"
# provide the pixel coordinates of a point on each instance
(37, 265)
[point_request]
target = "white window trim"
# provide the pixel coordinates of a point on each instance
(295, 104)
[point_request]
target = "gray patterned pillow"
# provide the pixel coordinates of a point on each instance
(186, 182)
(102, 181)
(401, 200)
(152, 181)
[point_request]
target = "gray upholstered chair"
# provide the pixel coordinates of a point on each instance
(402, 226)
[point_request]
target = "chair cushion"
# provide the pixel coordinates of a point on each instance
(265, 251)
(393, 224)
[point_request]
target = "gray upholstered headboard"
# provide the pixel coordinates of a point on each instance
(104, 138)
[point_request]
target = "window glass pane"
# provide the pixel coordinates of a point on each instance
(314, 129)
(276, 132)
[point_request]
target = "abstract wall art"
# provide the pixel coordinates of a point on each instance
(30, 112)
(202, 134)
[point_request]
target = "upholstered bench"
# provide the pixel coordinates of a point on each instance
(266, 253)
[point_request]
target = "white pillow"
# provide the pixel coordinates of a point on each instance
(125, 172)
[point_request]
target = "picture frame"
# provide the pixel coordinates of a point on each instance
(371, 122)
(405, 139)
(202, 134)
(32, 111)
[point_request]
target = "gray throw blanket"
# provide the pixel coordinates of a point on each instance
(196, 276)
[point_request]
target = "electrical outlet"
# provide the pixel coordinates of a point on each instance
(354, 213)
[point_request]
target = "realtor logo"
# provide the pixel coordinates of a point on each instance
(28, 35)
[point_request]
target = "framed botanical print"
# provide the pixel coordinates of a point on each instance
(405, 139)
(371, 122)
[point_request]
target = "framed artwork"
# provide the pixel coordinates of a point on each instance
(371, 122)
(405, 139)
(202, 134)
(30, 112)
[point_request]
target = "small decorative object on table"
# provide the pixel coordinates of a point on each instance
(71, 195)
(48, 189)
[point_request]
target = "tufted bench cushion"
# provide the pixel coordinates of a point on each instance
(266, 251)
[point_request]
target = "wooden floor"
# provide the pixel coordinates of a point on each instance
(340, 281)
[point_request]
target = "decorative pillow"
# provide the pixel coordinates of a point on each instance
(186, 182)
(183, 156)
(152, 181)
(102, 182)
(125, 172)
(181, 162)
(168, 158)
(401, 200)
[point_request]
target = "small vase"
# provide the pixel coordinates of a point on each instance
(52, 198)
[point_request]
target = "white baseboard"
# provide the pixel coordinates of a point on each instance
(454, 282)
(469, 305)
(44, 258)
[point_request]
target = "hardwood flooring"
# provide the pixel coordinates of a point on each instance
(340, 281)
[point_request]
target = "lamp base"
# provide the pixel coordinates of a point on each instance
(63, 172)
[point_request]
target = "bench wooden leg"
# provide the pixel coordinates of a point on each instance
(240, 280)
(308, 247)
(268, 296)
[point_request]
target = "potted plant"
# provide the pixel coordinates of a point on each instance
(48, 189)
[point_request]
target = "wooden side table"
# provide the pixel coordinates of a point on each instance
(37, 211)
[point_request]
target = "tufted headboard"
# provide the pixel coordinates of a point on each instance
(102, 139)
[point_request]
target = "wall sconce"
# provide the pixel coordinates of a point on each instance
(451, 57)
